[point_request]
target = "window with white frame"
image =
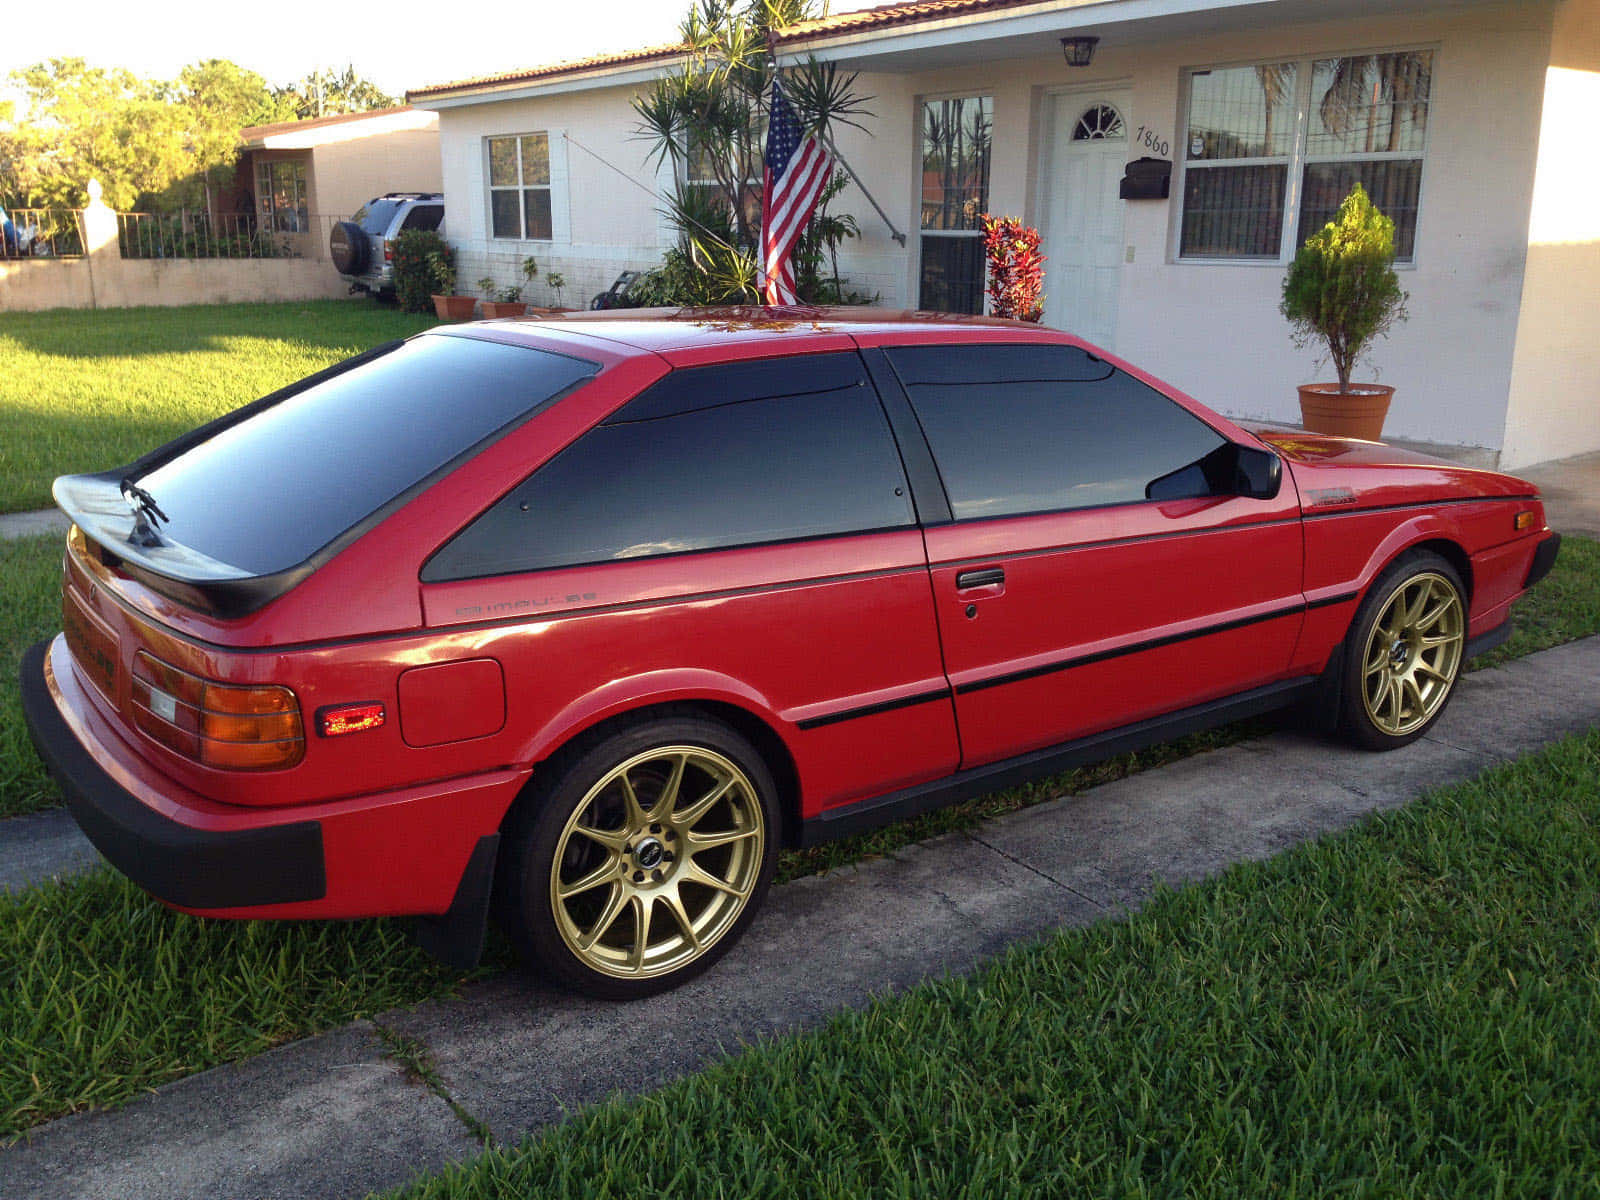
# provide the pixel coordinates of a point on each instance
(519, 186)
(957, 135)
(1271, 150)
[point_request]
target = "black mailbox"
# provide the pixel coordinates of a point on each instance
(1147, 179)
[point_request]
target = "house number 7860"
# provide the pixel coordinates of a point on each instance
(1147, 138)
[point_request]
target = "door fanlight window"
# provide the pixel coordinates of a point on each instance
(1099, 123)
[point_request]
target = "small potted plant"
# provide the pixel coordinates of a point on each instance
(442, 270)
(1342, 293)
(557, 281)
(500, 301)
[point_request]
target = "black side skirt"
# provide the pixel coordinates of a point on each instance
(865, 815)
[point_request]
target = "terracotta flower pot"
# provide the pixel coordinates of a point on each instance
(1357, 413)
(454, 308)
(503, 308)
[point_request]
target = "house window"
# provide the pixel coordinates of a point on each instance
(519, 186)
(1272, 149)
(705, 191)
(281, 195)
(956, 138)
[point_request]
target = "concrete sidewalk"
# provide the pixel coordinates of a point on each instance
(333, 1116)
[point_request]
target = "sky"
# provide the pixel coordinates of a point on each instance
(398, 44)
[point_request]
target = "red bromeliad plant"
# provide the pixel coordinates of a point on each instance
(1016, 268)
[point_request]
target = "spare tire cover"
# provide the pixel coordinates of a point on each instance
(347, 246)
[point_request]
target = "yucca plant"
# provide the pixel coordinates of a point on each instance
(708, 118)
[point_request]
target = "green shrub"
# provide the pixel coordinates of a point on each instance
(1341, 290)
(424, 266)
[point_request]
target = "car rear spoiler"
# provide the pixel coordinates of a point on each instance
(96, 505)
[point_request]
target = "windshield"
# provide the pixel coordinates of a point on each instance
(267, 493)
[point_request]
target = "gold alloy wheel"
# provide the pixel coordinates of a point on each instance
(657, 861)
(1413, 654)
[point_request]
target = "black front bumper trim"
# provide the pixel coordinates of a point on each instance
(192, 868)
(1543, 559)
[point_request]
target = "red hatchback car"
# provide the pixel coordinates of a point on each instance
(579, 621)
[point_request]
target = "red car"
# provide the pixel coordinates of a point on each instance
(581, 620)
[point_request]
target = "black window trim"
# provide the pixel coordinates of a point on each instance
(937, 497)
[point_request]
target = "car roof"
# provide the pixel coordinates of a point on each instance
(670, 331)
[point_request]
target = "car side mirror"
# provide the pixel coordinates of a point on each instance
(1257, 473)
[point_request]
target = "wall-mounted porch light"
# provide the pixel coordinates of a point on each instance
(1079, 51)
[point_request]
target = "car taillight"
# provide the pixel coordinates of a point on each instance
(220, 725)
(388, 251)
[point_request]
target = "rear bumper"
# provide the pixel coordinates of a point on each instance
(181, 864)
(380, 854)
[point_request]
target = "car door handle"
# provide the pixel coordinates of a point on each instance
(987, 577)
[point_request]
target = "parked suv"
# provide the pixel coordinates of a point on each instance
(360, 246)
(579, 620)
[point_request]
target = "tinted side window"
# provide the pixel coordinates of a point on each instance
(1020, 429)
(709, 457)
(423, 216)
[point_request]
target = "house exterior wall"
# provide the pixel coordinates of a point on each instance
(1213, 328)
(345, 175)
(604, 194)
(1554, 409)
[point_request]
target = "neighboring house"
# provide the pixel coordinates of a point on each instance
(1475, 125)
(298, 177)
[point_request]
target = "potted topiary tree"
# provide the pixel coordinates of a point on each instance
(1342, 293)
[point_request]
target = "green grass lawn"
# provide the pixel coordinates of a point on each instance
(86, 391)
(104, 993)
(30, 608)
(1411, 1008)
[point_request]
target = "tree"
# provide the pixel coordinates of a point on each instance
(81, 122)
(327, 93)
(708, 118)
(1341, 289)
(218, 98)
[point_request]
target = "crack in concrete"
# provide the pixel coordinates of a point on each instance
(416, 1062)
(1045, 875)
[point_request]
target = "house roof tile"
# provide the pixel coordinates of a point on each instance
(884, 15)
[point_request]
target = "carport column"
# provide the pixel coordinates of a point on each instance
(100, 246)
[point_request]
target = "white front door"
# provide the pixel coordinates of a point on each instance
(1086, 154)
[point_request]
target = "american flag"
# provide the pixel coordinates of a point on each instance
(797, 169)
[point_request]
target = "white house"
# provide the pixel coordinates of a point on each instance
(1475, 125)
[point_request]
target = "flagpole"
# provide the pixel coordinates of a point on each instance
(856, 179)
(772, 64)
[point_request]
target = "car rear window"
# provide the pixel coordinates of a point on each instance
(374, 218)
(268, 492)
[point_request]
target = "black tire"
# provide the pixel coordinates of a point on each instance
(541, 839)
(347, 247)
(1413, 570)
